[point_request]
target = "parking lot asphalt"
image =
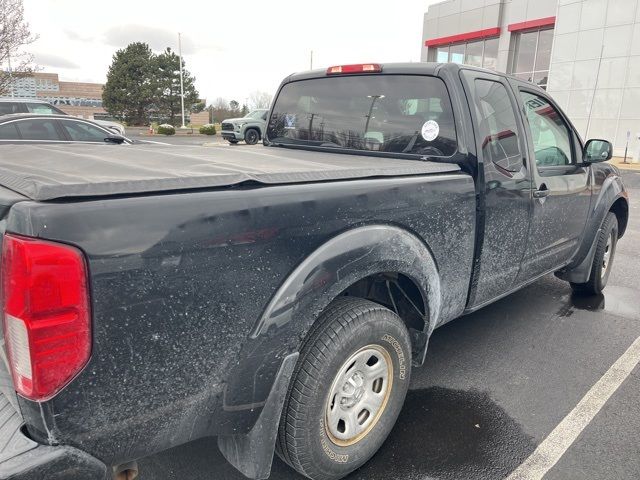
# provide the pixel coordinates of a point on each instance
(191, 139)
(496, 383)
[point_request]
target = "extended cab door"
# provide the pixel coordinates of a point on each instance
(504, 176)
(562, 187)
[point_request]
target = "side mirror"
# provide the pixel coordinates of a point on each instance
(117, 139)
(597, 151)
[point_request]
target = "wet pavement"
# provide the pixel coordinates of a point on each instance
(496, 383)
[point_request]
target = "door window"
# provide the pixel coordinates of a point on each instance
(37, 129)
(84, 132)
(7, 108)
(9, 131)
(498, 128)
(550, 134)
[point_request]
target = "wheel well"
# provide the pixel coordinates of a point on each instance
(257, 129)
(398, 292)
(621, 210)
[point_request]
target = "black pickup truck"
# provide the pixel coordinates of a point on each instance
(277, 298)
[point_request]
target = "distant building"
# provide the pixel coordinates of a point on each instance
(556, 44)
(80, 99)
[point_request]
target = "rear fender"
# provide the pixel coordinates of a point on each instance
(341, 262)
(253, 393)
(320, 278)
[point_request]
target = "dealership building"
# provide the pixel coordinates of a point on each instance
(586, 53)
(80, 99)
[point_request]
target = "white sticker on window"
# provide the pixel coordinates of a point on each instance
(430, 130)
(290, 121)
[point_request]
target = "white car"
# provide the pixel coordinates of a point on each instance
(40, 107)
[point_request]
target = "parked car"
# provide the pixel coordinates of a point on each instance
(249, 128)
(41, 128)
(278, 298)
(34, 106)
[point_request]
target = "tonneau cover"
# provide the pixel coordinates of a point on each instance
(47, 172)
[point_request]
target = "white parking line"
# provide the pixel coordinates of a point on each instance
(560, 439)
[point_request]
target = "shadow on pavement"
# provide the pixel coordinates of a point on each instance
(440, 433)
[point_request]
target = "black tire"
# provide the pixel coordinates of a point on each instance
(233, 142)
(607, 240)
(349, 326)
(251, 136)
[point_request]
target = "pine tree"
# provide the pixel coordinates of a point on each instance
(131, 87)
(167, 80)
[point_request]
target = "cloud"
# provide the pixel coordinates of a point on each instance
(157, 38)
(54, 61)
(75, 36)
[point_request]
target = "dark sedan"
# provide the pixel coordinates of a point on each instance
(30, 128)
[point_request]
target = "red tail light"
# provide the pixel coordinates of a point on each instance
(46, 316)
(355, 68)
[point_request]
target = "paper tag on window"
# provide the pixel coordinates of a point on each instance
(430, 130)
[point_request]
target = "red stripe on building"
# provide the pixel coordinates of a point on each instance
(463, 37)
(538, 23)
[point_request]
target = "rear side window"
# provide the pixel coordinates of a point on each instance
(8, 131)
(498, 129)
(37, 129)
(389, 113)
(9, 107)
(42, 109)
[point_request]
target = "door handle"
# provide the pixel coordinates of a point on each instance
(541, 192)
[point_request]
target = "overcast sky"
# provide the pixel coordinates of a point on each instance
(232, 48)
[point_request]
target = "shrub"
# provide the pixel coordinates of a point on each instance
(166, 129)
(208, 129)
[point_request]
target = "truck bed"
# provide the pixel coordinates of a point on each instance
(65, 171)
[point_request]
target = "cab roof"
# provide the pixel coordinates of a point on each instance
(409, 68)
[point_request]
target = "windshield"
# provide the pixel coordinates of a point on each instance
(255, 114)
(389, 113)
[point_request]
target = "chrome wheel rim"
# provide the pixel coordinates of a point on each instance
(358, 395)
(607, 257)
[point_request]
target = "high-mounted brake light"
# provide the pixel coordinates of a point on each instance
(355, 68)
(46, 316)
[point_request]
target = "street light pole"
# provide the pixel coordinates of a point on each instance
(373, 102)
(10, 74)
(181, 81)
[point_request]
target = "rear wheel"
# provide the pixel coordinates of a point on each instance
(603, 259)
(251, 136)
(347, 389)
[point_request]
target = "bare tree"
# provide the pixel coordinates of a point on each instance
(14, 36)
(220, 103)
(259, 99)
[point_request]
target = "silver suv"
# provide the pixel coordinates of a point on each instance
(40, 107)
(248, 128)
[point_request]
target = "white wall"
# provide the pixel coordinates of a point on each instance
(583, 27)
(454, 17)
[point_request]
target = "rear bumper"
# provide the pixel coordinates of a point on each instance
(23, 459)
